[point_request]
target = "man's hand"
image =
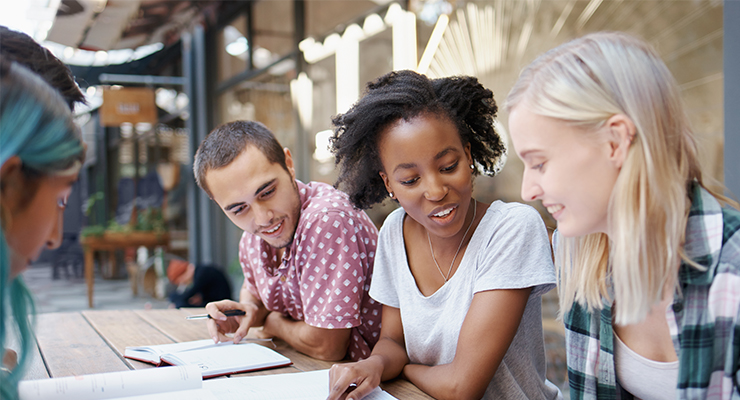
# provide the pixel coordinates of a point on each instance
(219, 324)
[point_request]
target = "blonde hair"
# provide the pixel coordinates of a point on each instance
(584, 82)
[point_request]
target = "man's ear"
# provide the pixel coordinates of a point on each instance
(289, 162)
(620, 131)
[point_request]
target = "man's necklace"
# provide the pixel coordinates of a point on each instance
(447, 277)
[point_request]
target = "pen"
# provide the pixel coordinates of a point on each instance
(228, 313)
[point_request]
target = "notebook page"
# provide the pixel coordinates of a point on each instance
(153, 352)
(289, 386)
(182, 346)
(194, 394)
(221, 359)
(112, 384)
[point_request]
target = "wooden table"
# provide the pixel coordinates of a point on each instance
(110, 242)
(89, 342)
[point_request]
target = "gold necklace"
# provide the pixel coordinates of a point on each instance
(446, 278)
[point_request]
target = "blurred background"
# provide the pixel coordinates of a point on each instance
(160, 74)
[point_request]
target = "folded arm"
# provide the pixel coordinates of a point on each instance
(489, 328)
(322, 343)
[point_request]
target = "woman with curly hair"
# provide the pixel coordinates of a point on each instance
(41, 153)
(460, 280)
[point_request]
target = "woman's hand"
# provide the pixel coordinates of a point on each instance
(354, 381)
(358, 378)
(10, 359)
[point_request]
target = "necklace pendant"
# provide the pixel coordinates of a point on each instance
(449, 271)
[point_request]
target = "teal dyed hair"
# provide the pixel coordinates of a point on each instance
(35, 125)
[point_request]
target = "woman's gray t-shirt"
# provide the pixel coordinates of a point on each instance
(508, 250)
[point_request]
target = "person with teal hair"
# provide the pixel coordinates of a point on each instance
(41, 154)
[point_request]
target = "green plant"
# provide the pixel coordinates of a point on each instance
(150, 220)
(93, 230)
(99, 196)
(114, 226)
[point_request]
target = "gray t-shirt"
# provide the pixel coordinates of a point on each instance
(509, 250)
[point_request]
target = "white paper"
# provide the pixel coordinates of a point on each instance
(222, 359)
(153, 352)
(296, 386)
(193, 394)
(112, 384)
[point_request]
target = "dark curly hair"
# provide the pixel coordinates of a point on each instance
(21, 48)
(406, 95)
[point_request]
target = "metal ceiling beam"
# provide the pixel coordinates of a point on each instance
(142, 79)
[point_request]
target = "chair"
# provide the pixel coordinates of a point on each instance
(68, 258)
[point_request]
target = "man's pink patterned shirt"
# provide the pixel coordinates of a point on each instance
(324, 276)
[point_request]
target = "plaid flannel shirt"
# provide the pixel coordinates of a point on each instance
(703, 319)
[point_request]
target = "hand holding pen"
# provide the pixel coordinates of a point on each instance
(228, 313)
(228, 316)
(231, 313)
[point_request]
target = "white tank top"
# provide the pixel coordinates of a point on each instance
(644, 378)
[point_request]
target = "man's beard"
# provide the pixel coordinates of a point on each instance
(294, 219)
(286, 243)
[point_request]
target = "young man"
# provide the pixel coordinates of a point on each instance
(307, 254)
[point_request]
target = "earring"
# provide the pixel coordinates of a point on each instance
(392, 195)
(472, 166)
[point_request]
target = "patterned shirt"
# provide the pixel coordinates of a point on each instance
(703, 319)
(324, 275)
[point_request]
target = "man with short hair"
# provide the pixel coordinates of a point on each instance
(306, 253)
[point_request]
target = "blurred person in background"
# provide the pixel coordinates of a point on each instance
(41, 153)
(197, 285)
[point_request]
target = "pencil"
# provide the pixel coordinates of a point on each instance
(228, 313)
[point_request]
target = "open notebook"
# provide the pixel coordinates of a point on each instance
(212, 359)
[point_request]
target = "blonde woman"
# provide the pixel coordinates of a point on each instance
(648, 257)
